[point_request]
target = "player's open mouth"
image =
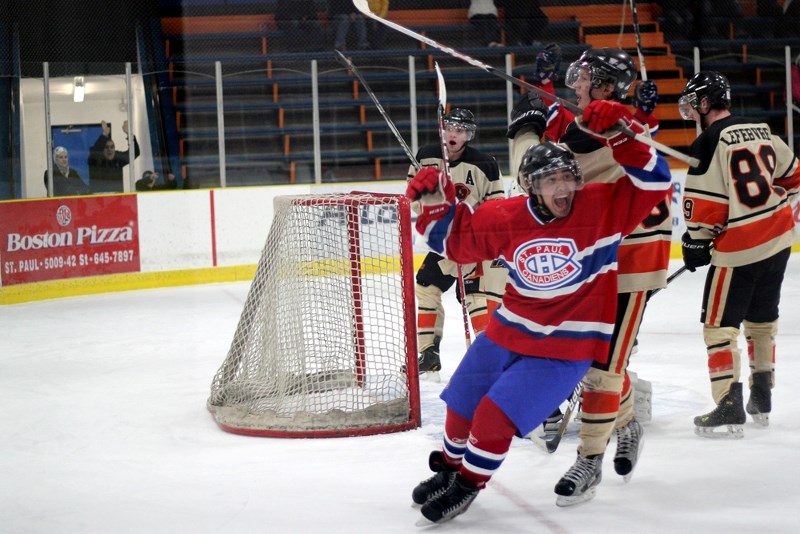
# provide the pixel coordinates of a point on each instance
(561, 203)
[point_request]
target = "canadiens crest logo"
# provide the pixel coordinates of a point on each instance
(547, 263)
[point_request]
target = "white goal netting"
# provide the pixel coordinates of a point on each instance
(327, 333)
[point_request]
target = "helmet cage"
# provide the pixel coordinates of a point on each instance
(710, 85)
(545, 160)
(604, 66)
(462, 118)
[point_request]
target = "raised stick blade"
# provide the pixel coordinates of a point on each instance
(363, 6)
(440, 114)
(442, 86)
(343, 59)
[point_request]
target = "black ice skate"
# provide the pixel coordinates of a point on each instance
(726, 420)
(436, 485)
(429, 361)
(630, 441)
(760, 403)
(451, 503)
(579, 482)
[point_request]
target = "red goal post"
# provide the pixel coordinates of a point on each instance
(326, 343)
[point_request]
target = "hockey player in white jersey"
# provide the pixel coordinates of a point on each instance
(477, 180)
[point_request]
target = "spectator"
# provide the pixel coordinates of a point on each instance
(791, 19)
(724, 9)
(149, 182)
(769, 8)
(343, 13)
(483, 17)
(66, 181)
(525, 21)
(297, 18)
(677, 18)
(106, 163)
(377, 31)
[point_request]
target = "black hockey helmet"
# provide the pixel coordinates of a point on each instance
(464, 118)
(705, 84)
(605, 65)
(543, 160)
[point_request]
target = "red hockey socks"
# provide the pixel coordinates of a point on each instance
(489, 441)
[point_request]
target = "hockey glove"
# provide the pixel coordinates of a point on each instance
(530, 110)
(696, 252)
(645, 96)
(547, 62)
(434, 190)
(600, 115)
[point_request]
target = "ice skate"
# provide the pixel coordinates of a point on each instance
(760, 403)
(436, 485)
(630, 441)
(579, 482)
(429, 362)
(454, 501)
(726, 420)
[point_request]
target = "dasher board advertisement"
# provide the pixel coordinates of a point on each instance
(68, 238)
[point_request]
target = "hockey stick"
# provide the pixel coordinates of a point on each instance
(550, 445)
(670, 278)
(363, 7)
(639, 52)
(344, 60)
(446, 160)
(636, 31)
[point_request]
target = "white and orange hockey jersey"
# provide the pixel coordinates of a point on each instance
(739, 195)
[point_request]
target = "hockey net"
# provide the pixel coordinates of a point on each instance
(326, 343)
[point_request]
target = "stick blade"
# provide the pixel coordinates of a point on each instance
(442, 87)
(341, 58)
(363, 6)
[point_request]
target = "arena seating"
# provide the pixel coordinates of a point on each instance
(267, 87)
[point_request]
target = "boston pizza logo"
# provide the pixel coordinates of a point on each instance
(547, 263)
(63, 215)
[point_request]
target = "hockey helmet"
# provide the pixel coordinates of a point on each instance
(543, 160)
(605, 65)
(708, 84)
(464, 118)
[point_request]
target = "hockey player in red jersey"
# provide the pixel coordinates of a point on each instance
(736, 199)
(558, 309)
(607, 74)
(477, 179)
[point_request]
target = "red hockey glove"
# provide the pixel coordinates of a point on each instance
(600, 115)
(696, 252)
(599, 119)
(434, 190)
